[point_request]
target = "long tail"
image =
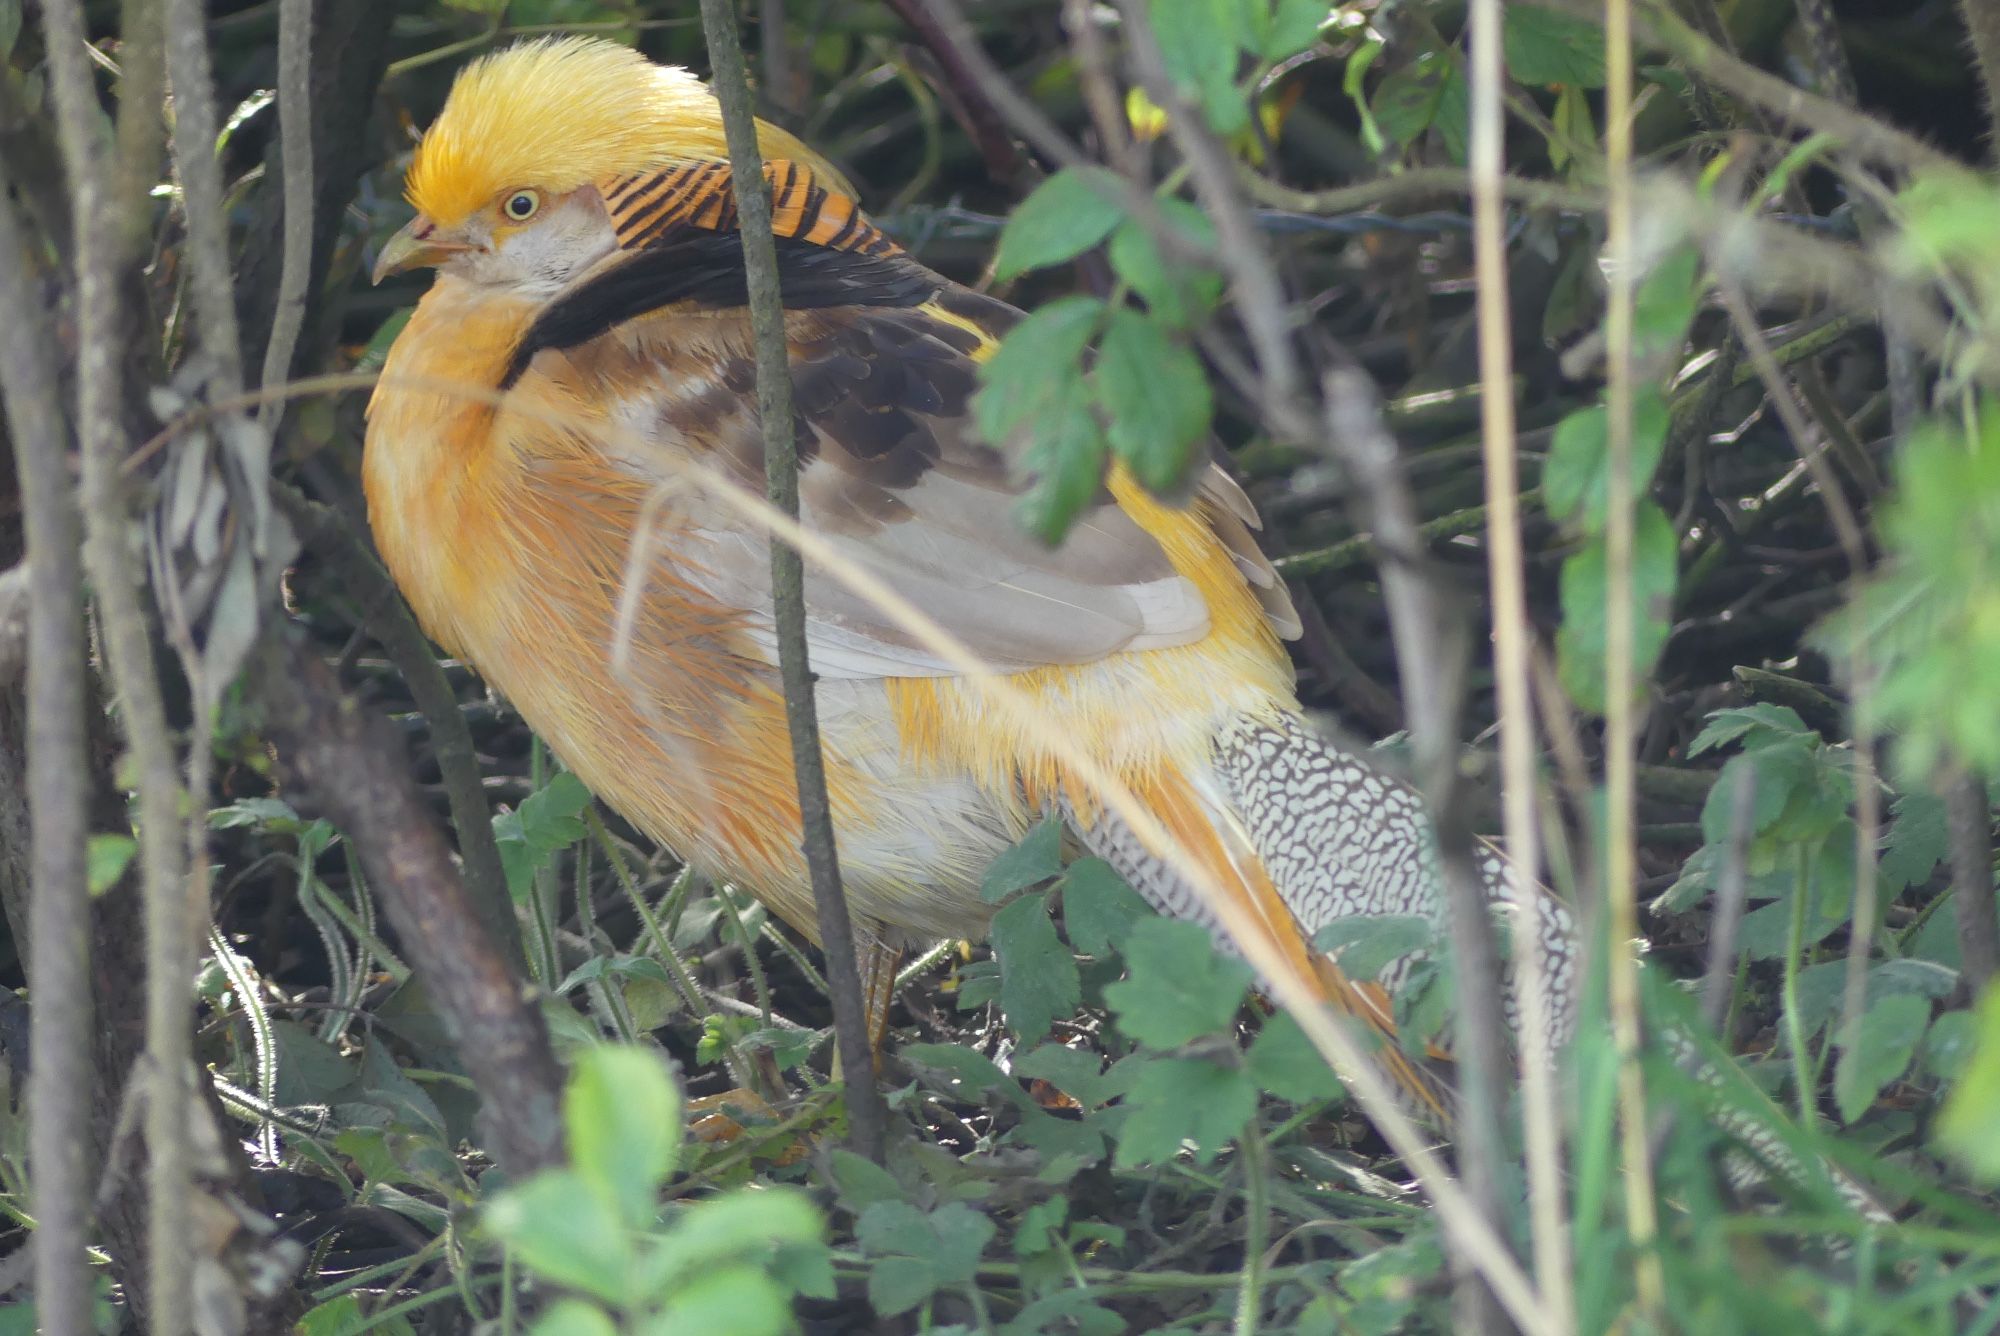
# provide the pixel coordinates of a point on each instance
(1304, 835)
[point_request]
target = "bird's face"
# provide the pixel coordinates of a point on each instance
(525, 238)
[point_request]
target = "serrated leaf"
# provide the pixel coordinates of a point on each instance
(1545, 48)
(1064, 216)
(741, 1300)
(1915, 844)
(1179, 988)
(1726, 726)
(1283, 1062)
(1878, 1051)
(1033, 363)
(974, 1072)
(1099, 908)
(1036, 858)
(1155, 395)
(1038, 975)
(1178, 1100)
(1576, 480)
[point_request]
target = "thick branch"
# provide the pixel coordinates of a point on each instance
(1969, 822)
(781, 463)
(354, 769)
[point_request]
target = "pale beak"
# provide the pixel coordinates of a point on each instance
(416, 246)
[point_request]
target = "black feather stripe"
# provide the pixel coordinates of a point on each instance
(704, 269)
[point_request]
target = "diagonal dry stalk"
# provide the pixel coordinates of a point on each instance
(1505, 565)
(1620, 722)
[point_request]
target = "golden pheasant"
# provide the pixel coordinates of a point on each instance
(590, 300)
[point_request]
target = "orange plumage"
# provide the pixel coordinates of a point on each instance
(588, 321)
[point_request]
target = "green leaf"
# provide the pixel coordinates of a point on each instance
(1040, 1227)
(573, 1317)
(1155, 393)
(1284, 1063)
(1064, 463)
(1035, 859)
(1428, 93)
(1580, 639)
(741, 1300)
(1294, 26)
(105, 859)
(1366, 943)
(1950, 1043)
(1099, 908)
(623, 1117)
(974, 1073)
(1038, 975)
(309, 1070)
(713, 1232)
(1576, 480)
(1076, 1072)
(1178, 1100)
(1544, 47)
(1065, 216)
(898, 1284)
(548, 820)
(567, 1232)
(1033, 365)
(1199, 41)
(1915, 844)
(1665, 303)
(1178, 295)
(861, 1182)
(1965, 1128)
(1878, 1051)
(1822, 988)
(1180, 987)
(341, 1315)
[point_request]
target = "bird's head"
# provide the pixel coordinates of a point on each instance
(506, 181)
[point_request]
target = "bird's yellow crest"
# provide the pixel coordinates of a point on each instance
(558, 113)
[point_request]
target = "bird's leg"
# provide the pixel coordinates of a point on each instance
(877, 961)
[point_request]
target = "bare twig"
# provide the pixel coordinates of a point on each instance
(354, 770)
(13, 620)
(781, 463)
(108, 223)
(1620, 867)
(982, 120)
(295, 132)
(58, 955)
(1541, 1128)
(1969, 824)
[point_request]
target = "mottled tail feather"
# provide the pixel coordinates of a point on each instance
(1198, 818)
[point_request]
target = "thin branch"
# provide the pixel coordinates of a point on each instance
(195, 128)
(13, 617)
(1969, 825)
(982, 119)
(58, 955)
(295, 134)
(1505, 564)
(109, 227)
(355, 772)
(781, 464)
(1620, 741)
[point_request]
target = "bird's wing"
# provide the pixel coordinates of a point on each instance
(884, 361)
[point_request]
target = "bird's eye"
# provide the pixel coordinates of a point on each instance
(521, 205)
